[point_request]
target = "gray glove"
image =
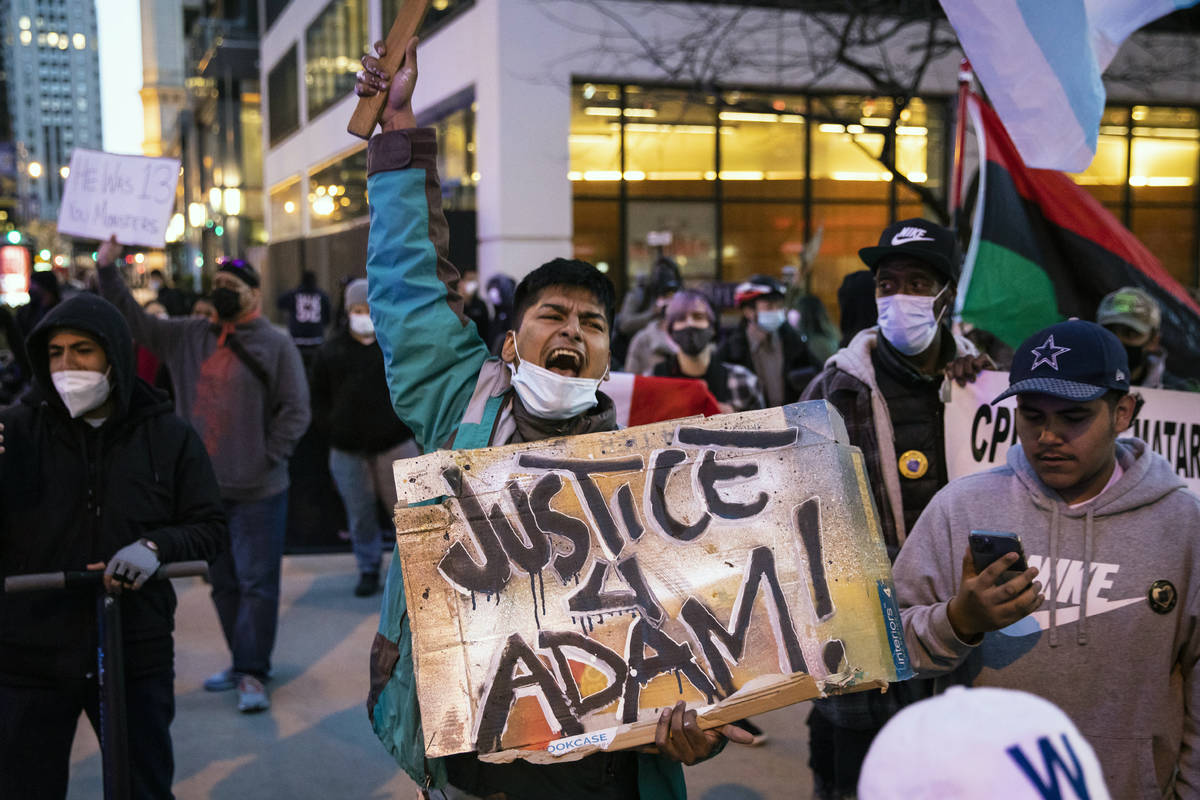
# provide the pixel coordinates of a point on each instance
(134, 563)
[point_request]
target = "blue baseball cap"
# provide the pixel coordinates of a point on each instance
(1074, 360)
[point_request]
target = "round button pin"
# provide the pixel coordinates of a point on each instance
(1162, 597)
(913, 464)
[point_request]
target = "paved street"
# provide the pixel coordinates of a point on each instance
(316, 741)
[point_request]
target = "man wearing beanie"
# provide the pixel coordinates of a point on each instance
(241, 385)
(1108, 630)
(352, 406)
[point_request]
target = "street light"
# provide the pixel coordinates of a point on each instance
(35, 169)
(233, 201)
(196, 214)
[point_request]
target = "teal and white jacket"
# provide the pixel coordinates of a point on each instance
(448, 390)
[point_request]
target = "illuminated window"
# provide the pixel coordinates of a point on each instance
(762, 145)
(335, 43)
(338, 193)
(285, 211)
(440, 12)
(651, 163)
(284, 90)
(1145, 172)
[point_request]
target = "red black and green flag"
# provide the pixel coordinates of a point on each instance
(1043, 249)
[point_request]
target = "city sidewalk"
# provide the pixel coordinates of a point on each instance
(316, 741)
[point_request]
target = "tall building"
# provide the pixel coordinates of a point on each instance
(53, 88)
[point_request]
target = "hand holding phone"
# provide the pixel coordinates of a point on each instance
(988, 546)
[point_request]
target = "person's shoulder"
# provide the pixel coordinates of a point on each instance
(979, 483)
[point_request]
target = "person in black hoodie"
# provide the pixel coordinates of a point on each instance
(350, 400)
(95, 470)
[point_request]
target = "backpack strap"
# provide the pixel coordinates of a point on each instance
(256, 368)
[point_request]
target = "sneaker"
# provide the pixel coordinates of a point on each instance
(368, 584)
(252, 696)
(760, 737)
(221, 681)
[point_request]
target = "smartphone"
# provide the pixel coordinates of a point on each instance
(987, 546)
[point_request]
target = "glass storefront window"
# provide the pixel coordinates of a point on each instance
(592, 238)
(338, 192)
(670, 142)
(762, 144)
(285, 211)
(1166, 143)
(283, 89)
(1169, 233)
(334, 43)
(680, 147)
(440, 11)
(595, 139)
(693, 236)
(456, 158)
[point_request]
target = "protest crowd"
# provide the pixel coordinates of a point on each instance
(1063, 663)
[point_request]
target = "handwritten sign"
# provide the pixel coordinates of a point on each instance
(978, 434)
(131, 196)
(564, 592)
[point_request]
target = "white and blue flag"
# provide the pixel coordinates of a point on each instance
(1040, 62)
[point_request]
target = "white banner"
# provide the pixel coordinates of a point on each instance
(978, 434)
(130, 196)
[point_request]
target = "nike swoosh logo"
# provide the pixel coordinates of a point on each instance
(1064, 615)
(902, 238)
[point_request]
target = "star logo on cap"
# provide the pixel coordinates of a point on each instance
(1048, 354)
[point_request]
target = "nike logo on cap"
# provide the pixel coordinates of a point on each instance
(906, 235)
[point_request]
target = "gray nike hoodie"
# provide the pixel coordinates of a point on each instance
(1121, 666)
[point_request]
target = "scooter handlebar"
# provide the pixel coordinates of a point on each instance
(60, 580)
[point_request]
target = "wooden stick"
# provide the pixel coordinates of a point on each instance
(366, 113)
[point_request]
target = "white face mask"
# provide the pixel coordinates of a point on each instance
(470, 288)
(81, 390)
(552, 396)
(907, 321)
(771, 320)
(361, 325)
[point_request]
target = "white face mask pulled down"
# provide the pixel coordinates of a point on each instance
(907, 321)
(552, 396)
(81, 390)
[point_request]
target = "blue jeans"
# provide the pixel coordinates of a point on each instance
(363, 482)
(245, 581)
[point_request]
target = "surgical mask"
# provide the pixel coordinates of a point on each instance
(495, 296)
(227, 302)
(470, 288)
(771, 320)
(552, 396)
(155, 284)
(361, 325)
(81, 390)
(692, 340)
(908, 322)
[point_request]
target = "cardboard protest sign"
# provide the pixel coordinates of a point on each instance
(565, 591)
(978, 434)
(131, 196)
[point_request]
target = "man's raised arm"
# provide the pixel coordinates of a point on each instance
(431, 350)
(159, 336)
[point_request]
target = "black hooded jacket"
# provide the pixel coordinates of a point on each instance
(71, 495)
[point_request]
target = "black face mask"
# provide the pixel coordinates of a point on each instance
(227, 302)
(1135, 354)
(692, 340)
